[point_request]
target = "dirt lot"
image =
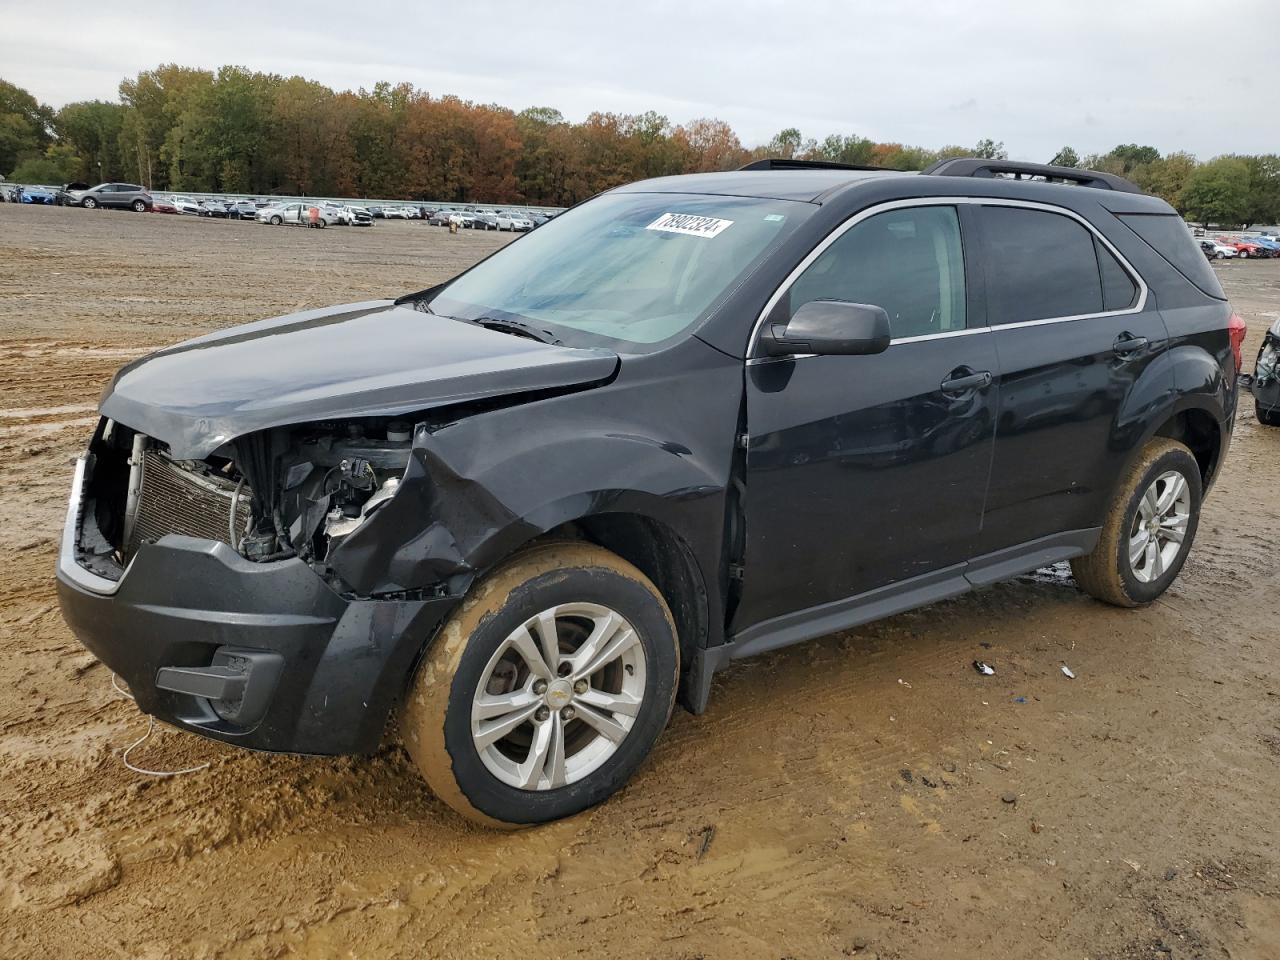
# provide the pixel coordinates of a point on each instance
(839, 798)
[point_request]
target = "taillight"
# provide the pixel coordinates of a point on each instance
(1236, 329)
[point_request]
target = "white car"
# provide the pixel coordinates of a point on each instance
(513, 221)
(337, 214)
(299, 213)
(1219, 251)
(461, 218)
(394, 213)
(186, 205)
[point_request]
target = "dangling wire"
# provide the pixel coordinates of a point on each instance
(151, 726)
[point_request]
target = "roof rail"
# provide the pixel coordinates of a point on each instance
(782, 163)
(978, 167)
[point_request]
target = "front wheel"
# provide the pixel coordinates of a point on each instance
(1148, 529)
(544, 692)
(139, 206)
(1244, 254)
(89, 203)
(276, 221)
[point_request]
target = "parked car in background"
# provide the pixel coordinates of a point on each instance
(186, 205)
(242, 210)
(360, 217)
(1270, 245)
(395, 213)
(63, 197)
(514, 221)
(162, 205)
(1243, 247)
(376, 212)
(1264, 384)
(298, 213)
(213, 208)
(126, 196)
(440, 218)
(484, 221)
(36, 195)
(1216, 250)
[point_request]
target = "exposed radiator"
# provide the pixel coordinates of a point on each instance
(174, 500)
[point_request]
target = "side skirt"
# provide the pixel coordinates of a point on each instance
(883, 602)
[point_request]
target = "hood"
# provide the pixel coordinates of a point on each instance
(357, 360)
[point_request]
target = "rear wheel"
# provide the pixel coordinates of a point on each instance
(1148, 529)
(545, 691)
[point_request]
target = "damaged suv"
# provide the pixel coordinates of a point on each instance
(693, 419)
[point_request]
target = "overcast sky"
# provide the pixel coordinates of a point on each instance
(1178, 74)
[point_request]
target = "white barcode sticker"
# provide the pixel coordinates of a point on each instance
(689, 224)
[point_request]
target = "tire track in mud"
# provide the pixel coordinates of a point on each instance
(818, 805)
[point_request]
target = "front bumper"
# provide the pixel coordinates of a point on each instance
(333, 667)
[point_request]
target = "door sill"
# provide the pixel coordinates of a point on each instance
(826, 618)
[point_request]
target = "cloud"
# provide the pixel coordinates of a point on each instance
(931, 72)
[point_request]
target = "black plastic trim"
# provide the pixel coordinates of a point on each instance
(979, 167)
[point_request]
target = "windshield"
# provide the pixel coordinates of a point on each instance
(635, 268)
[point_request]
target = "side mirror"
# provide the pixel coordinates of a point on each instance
(829, 327)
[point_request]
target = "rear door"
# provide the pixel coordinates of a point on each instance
(862, 471)
(1074, 332)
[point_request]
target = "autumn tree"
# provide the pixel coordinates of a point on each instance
(25, 126)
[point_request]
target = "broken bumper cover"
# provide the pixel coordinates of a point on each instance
(261, 655)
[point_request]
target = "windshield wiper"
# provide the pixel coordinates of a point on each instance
(516, 328)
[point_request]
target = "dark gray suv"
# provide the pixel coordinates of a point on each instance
(693, 419)
(127, 196)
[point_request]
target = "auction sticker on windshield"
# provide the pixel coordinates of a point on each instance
(689, 224)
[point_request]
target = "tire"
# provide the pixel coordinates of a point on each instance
(584, 586)
(322, 223)
(1219, 256)
(139, 206)
(1243, 254)
(1108, 573)
(1269, 418)
(89, 203)
(276, 220)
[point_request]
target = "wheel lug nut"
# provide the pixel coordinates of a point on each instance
(540, 687)
(580, 687)
(568, 713)
(542, 714)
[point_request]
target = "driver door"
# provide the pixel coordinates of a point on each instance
(869, 471)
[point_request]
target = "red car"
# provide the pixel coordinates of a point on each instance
(162, 206)
(1245, 247)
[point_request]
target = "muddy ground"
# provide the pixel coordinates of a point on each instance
(839, 798)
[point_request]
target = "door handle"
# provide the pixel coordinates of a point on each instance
(1127, 343)
(966, 381)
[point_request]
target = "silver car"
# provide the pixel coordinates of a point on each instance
(129, 196)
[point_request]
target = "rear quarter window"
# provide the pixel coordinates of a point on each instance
(1168, 236)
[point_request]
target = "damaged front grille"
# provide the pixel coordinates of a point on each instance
(177, 500)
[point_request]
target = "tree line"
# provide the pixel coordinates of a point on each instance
(239, 131)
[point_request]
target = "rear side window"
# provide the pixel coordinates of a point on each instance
(1118, 289)
(1039, 265)
(1168, 236)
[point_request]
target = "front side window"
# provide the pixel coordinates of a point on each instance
(625, 268)
(908, 262)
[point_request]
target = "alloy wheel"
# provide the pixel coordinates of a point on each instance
(558, 696)
(1159, 526)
